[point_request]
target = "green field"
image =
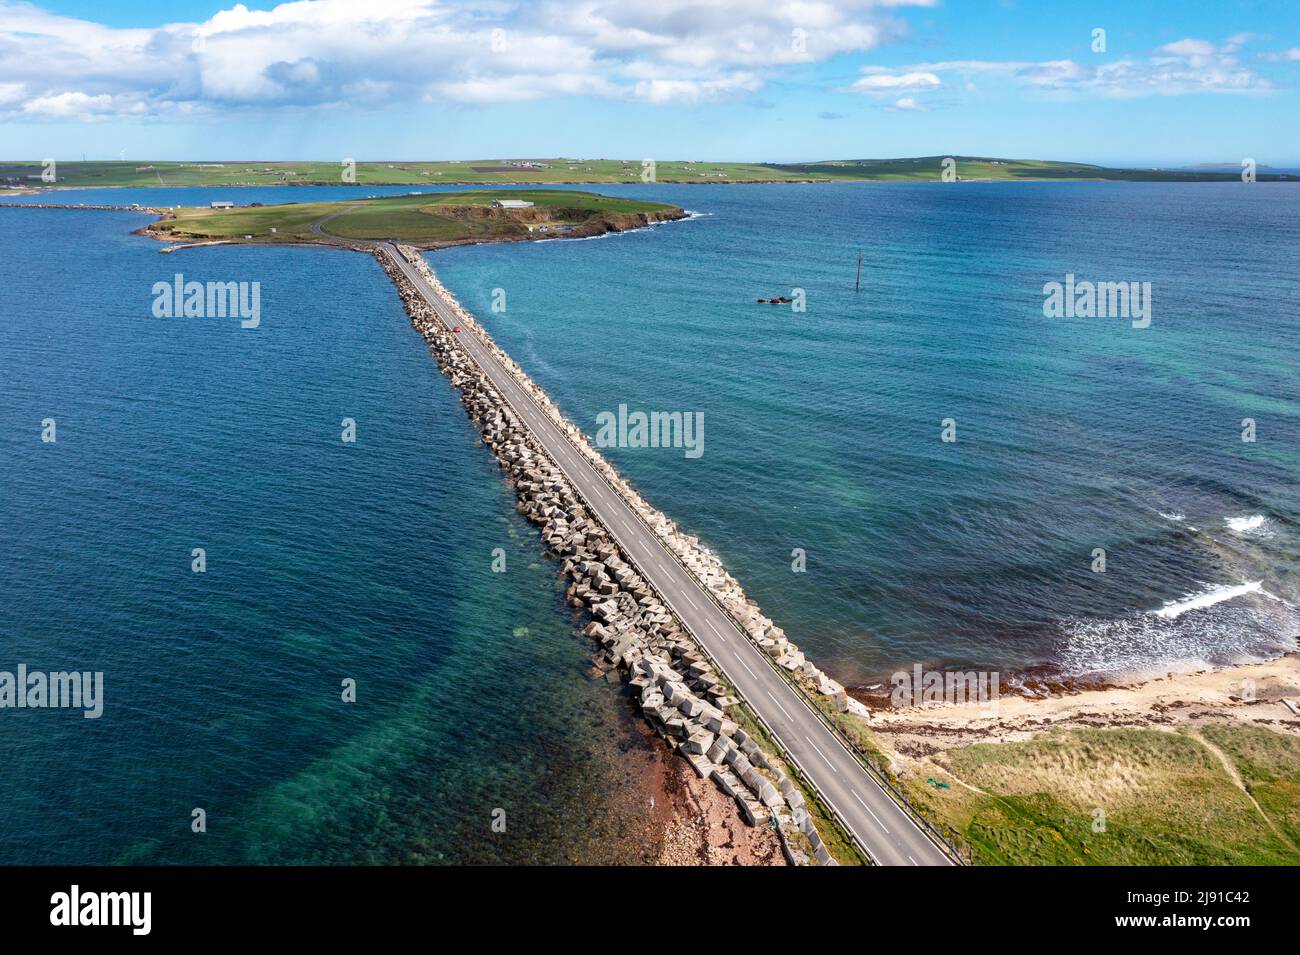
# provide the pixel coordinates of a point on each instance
(927, 168)
(488, 171)
(1167, 798)
(430, 219)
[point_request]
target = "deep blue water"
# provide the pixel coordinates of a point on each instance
(372, 561)
(325, 561)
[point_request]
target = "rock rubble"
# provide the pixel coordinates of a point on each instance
(678, 691)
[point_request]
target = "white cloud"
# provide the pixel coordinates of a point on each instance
(1189, 47)
(72, 105)
(1236, 42)
(381, 52)
(878, 80)
(696, 91)
(1182, 67)
(908, 104)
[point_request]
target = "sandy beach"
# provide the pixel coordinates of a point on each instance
(1251, 694)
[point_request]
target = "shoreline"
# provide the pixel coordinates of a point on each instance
(1046, 682)
(666, 815)
(1188, 768)
(1246, 694)
(596, 183)
(617, 223)
(625, 222)
(694, 823)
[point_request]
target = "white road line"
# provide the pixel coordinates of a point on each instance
(868, 809)
(827, 761)
(780, 707)
(746, 666)
(913, 861)
(690, 601)
(716, 632)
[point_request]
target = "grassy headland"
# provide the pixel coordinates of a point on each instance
(25, 174)
(1125, 797)
(1179, 770)
(429, 220)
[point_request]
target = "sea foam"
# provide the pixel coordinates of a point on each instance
(1207, 598)
(1243, 525)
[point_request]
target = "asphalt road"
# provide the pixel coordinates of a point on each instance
(318, 227)
(878, 823)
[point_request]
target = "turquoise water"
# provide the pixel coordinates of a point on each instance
(823, 428)
(325, 561)
(371, 561)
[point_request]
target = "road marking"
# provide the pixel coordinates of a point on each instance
(913, 861)
(868, 809)
(746, 666)
(690, 601)
(823, 756)
(716, 632)
(780, 707)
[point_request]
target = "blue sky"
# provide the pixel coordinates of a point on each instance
(1176, 82)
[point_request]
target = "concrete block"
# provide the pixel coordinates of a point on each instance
(691, 707)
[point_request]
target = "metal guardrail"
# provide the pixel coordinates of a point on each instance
(863, 758)
(809, 701)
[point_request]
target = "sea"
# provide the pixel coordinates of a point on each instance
(911, 462)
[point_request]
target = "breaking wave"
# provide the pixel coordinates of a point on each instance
(1207, 598)
(1244, 525)
(1222, 625)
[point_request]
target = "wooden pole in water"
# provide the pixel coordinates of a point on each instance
(857, 286)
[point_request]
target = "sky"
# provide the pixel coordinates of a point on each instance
(1121, 83)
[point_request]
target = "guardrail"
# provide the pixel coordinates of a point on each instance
(863, 758)
(809, 701)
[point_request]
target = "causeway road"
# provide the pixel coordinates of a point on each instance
(879, 824)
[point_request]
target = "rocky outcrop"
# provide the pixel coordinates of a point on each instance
(675, 685)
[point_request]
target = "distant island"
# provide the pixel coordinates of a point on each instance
(423, 220)
(27, 175)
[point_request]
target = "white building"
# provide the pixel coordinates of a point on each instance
(222, 204)
(511, 204)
